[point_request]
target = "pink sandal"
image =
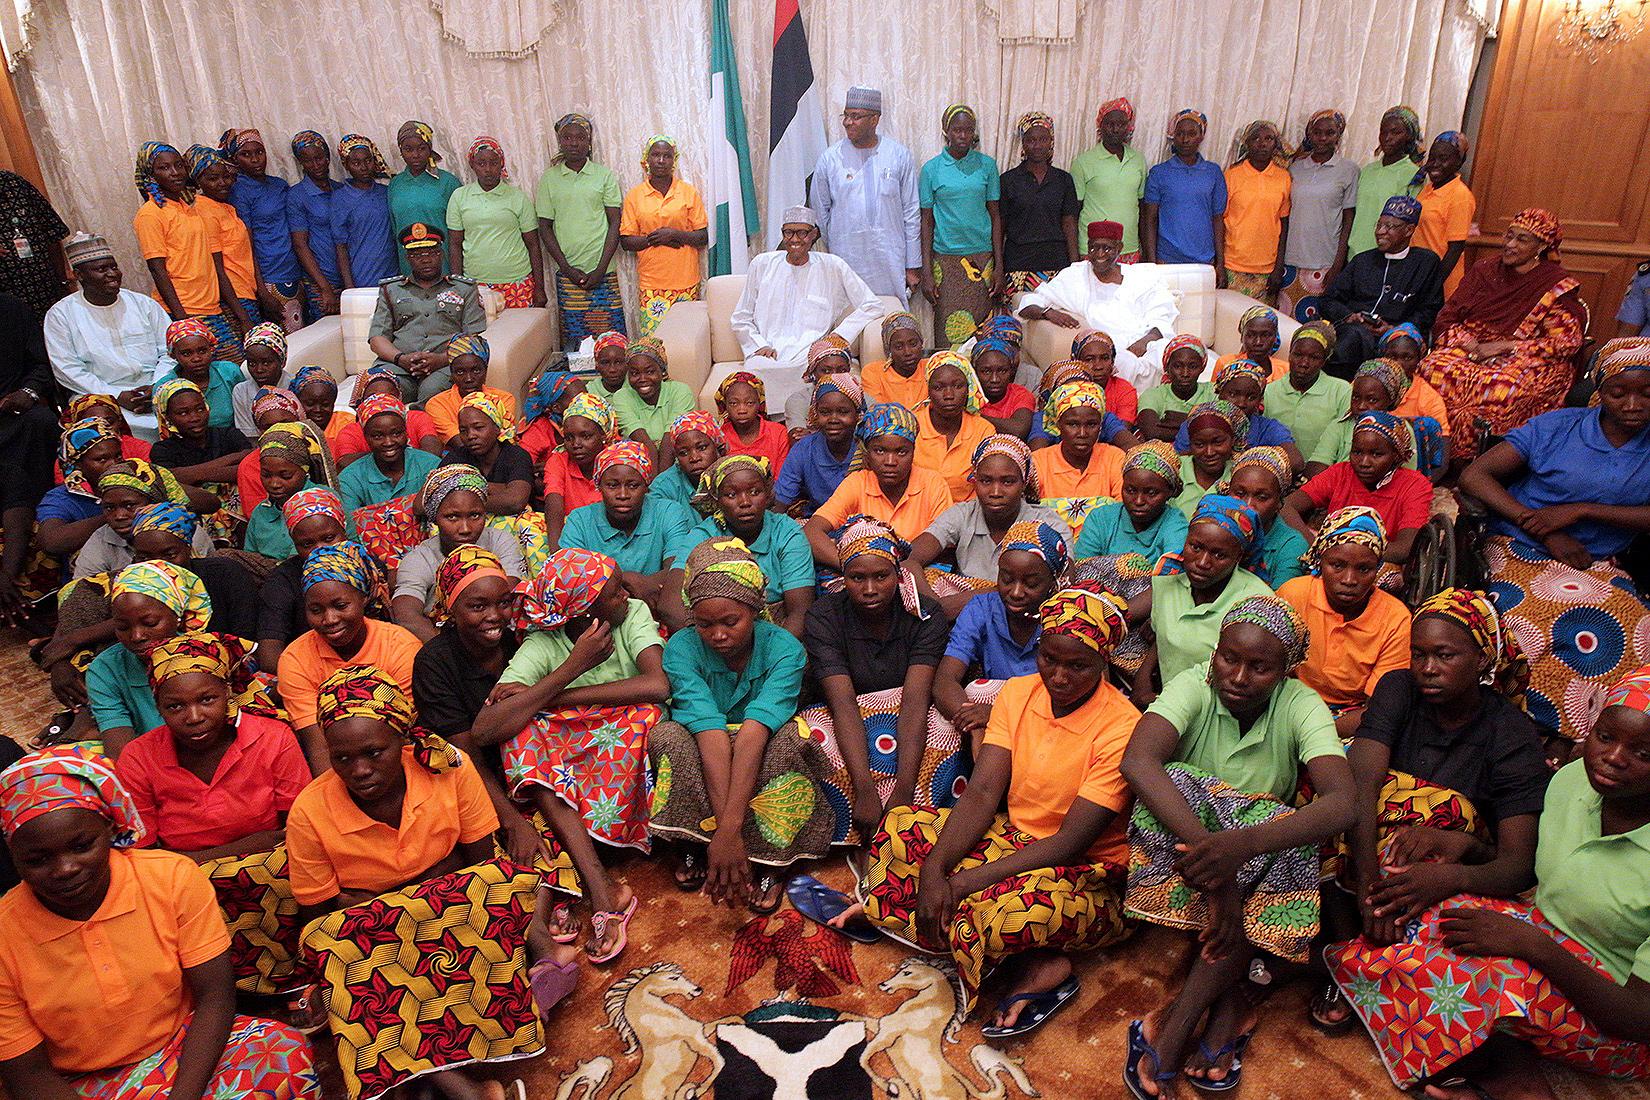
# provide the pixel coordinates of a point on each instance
(551, 982)
(561, 915)
(598, 930)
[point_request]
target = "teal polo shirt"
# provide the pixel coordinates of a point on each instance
(708, 695)
(957, 191)
(660, 535)
(781, 550)
(362, 483)
(1109, 530)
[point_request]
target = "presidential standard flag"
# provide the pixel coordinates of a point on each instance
(732, 191)
(796, 125)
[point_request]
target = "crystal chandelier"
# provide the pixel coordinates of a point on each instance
(1591, 28)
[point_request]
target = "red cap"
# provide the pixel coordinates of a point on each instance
(1105, 231)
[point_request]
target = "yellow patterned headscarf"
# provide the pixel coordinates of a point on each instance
(223, 656)
(1093, 616)
(1072, 395)
(949, 358)
(361, 691)
(483, 403)
(176, 589)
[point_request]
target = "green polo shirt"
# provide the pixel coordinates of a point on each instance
(1161, 398)
(1593, 887)
(492, 223)
(1295, 727)
(708, 695)
(1111, 189)
(362, 483)
(1190, 491)
(660, 535)
(1377, 183)
(1307, 413)
(576, 203)
(675, 399)
(781, 550)
(543, 651)
(1187, 632)
(1335, 445)
(420, 198)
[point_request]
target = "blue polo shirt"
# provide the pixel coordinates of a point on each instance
(1189, 197)
(309, 210)
(981, 639)
(781, 550)
(957, 191)
(1108, 531)
(362, 483)
(661, 532)
(1567, 458)
(1263, 432)
(811, 472)
(361, 221)
(262, 206)
(59, 503)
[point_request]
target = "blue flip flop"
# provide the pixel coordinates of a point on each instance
(820, 904)
(1234, 1072)
(1139, 1048)
(1039, 1007)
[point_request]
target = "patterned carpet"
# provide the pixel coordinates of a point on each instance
(776, 1008)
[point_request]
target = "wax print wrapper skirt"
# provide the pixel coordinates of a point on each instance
(262, 916)
(595, 760)
(263, 1060)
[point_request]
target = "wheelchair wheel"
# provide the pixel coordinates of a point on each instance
(1433, 563)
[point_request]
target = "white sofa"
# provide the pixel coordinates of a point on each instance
(1209, 314)
(520, 339)
(698, 336)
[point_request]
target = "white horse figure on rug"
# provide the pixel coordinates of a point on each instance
(674, 1041)
(913, 1035)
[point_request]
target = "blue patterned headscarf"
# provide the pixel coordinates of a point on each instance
(1354, 525)
(350, 563)
(1041, 539)
(991, 343)
(551, 387)
(313, 373)
(1398, 331)
(1235, 518)
(888, 419)
(143, 173)
(174, 519)
(1389, 427)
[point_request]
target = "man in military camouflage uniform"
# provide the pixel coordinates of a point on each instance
(418, 314)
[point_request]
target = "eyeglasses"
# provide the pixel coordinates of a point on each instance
(795, 234)
(858, 116)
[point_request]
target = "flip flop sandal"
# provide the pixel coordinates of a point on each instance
(821, 904)
(1038, 1008)
(1234, 1071)
(690, 871)
(562, 917)
(551, 983)
(1139, 1048)
(54, 732)
(765, 884)
(1328, 997)
(598, 930)
(304, 1010)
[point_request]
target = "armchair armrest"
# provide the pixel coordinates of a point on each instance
(321, 344)
(685, 332)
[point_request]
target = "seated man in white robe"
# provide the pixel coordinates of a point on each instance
(793, 297)
(1128, 302)
(104, 339)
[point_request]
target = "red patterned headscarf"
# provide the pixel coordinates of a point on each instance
(463, 567)
(485, 142)
(316, 501)
(62, 778)
(566, 588)
(626, 452)
(1093, 616)
(361, 691)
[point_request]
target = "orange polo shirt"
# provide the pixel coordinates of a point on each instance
(185, 237)
(926, 496)
(107, 991)
(884, 385)
(1059, 760)
(442, 409)
(954, 460)
(331, 845)
(1446, 217)
(644, 210)
(1421, 399)
(1347, 657)
(1256, 204)
(1058, 478)
(1280, 367)
(309, 660)
(235, 243)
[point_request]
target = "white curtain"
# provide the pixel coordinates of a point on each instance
(101, 76)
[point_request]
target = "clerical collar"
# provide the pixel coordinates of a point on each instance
(1397, 255)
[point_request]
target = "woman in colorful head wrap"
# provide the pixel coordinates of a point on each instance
(1061, 734)
(1163, 408)
(696, 442)
(392, 468)
(317, 393)
(742, 399)
(587, 425)
(1465, 940)
(663, 221)
(495, 219)
(468, 357)
(1193, 202)
(455, 503)
(291, 456)
(1447, 206)
(125, 489)
(1176, 873)
(365, 245)
(381, 379)
(1257, 202)
(486, 440)
(949, 424)
(314, 242)
(1215, 432)
(1006, 404)
(1114, 133)
(743, 724)
(211, 177)
(201, 360)
(541, 416)
(1004, 477)
(647, 537)
(64, 807)
(1323, 186)
(1141, 520)
(586, 275)
(962, 270)
(1242, 381)
(651, 400)
(1037, 210)
(1262, 477)
(899, 379)
(816, 464)
(265, 347)
(420, 191)
(1394, 171)
(736, 497)
(883, 482)
(87, 448)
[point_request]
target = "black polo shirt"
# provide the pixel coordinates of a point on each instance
(1033, 238)
(840, 644)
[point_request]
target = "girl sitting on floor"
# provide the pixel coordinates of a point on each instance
(1163, 408)
(1096, 351)
(1112, 429)
(354, 840)
(393, 469)
(612, 372)
(899, 379)
(161, 1020)
(733, 769)
(996, 635)
(1261, 477)
(949, 426)
(1374, 476)
(1079, 464)
(317, 392)
(124, 488)
(1243, 383)
(736, 495)
(647, 537)
(1564, 978)
(696, 443)
(885, 482)
(872, 650)
(1008, 405)
(265, 366)
(269, 408)
(454, 501)
(587, 426)
(486, 440)
(192, 346)
(541, 417)
(379, 379)
(102, 406)
(70, 513)
(467, 359)
(1142, 521)
(1192, 590)
(1359, 633)
(742, 400)
(654, 400)
(1258, 331)
(573, 712)
(313, 517)
(342, 582)
(291, 457)
(196, 452)
(1214, 764)
(1404, 345)
(1215, 431)
(817, 464)
(1026, 887)
(1377, 386)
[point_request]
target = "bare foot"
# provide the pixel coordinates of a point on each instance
(1039, 973)
(841, 919)
(1232, 1016)
(1164, 1090)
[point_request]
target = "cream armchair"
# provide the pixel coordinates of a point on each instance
(698, 336)
(1209, 314)
(520, 340)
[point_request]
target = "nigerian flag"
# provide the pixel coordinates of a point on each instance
(732, 191)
